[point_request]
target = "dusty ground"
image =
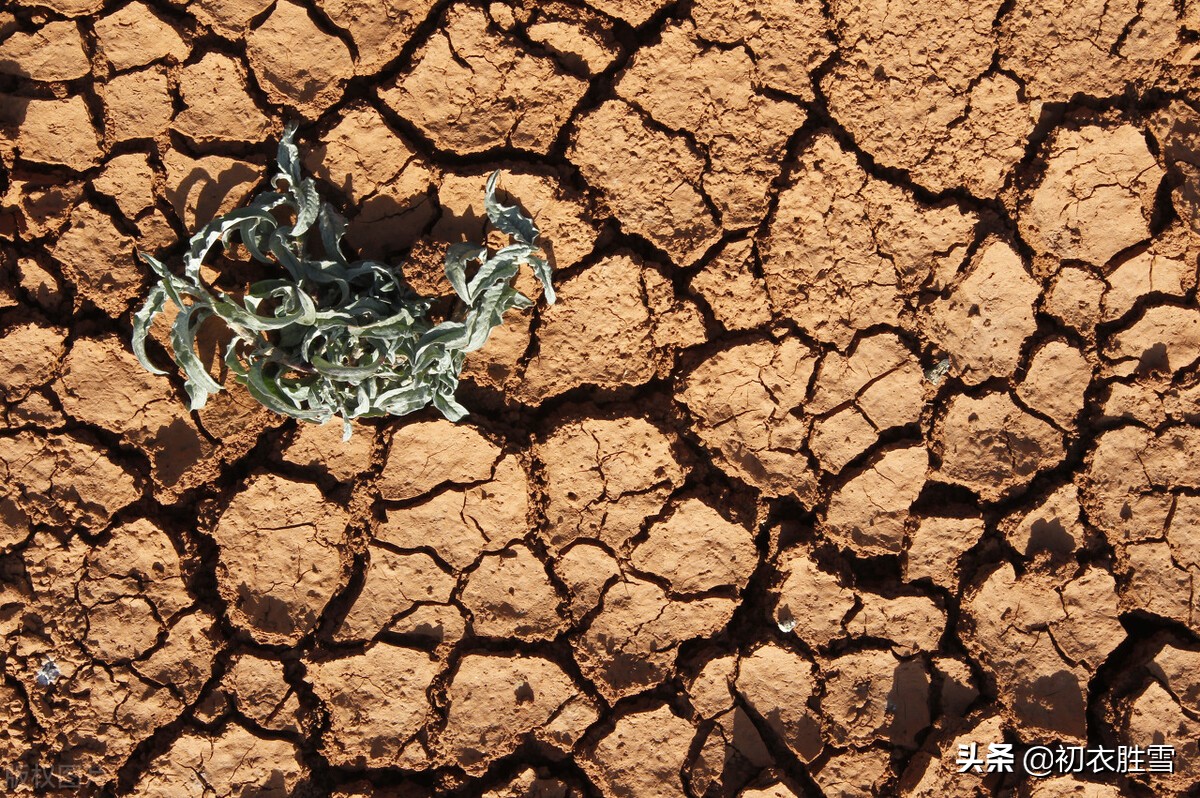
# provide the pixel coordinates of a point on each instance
(866, 425)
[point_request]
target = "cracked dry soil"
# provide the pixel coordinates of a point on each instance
(866, 426)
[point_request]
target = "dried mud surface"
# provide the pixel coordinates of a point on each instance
(866, 425)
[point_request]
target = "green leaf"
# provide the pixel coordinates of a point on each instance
(348, 373)
(289, 155)
(141, 326)
(216, 230)
(447, 335)
(399, 324)
(402, 401)
(457, 258)
(265, 389)
(167, 281)
(541, 270)
(449, 408)
(310, 205)
(508, 218)
(500, 268)
(199, 384)
(333, 228)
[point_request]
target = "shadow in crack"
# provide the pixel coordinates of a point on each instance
(177, 447)
(385, 226)
(12, 107)
(265, 612)
(467, 224)
(1050, 535)
(1180, 142)
(198, 197)
(42, 204)
(1154, 360)
(909, 704)
(1053, 702)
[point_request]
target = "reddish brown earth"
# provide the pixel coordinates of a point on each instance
(866, 425)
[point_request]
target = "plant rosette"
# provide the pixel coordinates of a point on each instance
(334, 336)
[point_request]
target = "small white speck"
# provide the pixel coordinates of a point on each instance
(48, 674)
